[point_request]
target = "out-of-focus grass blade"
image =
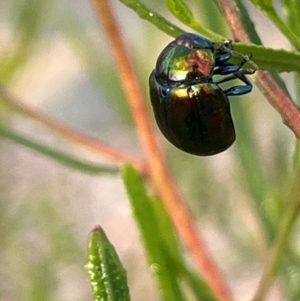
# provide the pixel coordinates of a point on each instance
(197, 285)
(163, 248)
(108, 277)
(28, 19)
(166, 230)
(291, 9)
(163, 265)
(160, 22)
(200, 289)
(250, 164)
(267, 7)
(55, 154)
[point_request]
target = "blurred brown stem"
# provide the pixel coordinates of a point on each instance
(159, 173)
(92, 144)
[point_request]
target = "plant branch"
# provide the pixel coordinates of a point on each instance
(159, 173)
(94, 145)
(273, 93)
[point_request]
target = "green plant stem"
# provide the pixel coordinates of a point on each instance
(159, 173)
(287, 223)
(55, 154)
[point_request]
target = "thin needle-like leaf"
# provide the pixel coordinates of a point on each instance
(182, 12)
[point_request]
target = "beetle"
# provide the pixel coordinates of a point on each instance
(191, 109)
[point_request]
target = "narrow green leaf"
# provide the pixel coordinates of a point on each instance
(162, 264)
(166, 229)
(108, 277)
(276, 60)
(162, 246)
(267, 7)
(248, 23)
(197, 285)
(55, 154)
(182, 12)
(264, 5)
(160, 22)
(291, 10)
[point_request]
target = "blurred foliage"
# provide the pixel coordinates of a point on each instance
(240, 195)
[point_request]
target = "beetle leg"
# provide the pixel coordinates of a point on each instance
(228, 68)
(237, 90)
(225, 68)
(223, 57)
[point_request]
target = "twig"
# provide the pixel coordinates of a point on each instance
(159, 173)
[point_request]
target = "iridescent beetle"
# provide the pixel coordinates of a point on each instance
(190, 108)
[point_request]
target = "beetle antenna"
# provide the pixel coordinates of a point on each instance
(227, 46)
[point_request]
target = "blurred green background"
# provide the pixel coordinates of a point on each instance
(54, 57)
